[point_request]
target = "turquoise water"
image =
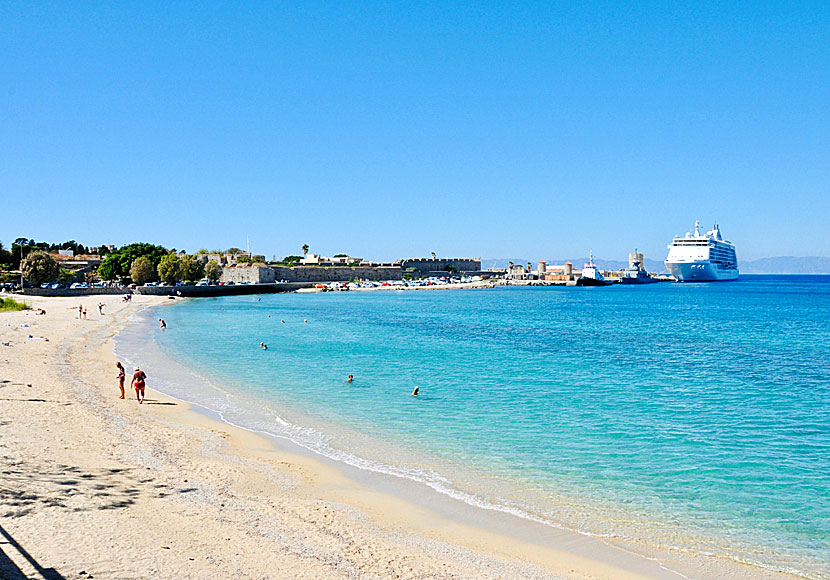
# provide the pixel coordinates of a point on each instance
(690, 415)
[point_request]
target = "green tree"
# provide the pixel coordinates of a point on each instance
(39, 267)
(291, 259)
(234, 251)
(191, 268)
(213, 271)
(305, 249)
(20, 247)
(5, 256)
(142, 270)
(119, 262)
(169, 269)
(108, 268)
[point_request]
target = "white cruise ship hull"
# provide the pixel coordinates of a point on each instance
(700, 271)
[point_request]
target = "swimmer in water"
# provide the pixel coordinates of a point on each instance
(415, 392)
(283, 321)
(350, 379)
(162, 324)
(263, 346)
(305, 320)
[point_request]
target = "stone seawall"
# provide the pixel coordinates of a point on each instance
(209, 291)
(73, 291)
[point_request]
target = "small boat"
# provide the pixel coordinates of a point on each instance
(591, 275)
(636, 274)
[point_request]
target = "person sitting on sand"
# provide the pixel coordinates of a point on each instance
(122, 374)
(162, 324)
(138, 384)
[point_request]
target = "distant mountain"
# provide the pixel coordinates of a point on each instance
(786, 265)
(779, 265)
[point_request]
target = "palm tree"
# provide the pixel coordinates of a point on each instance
(433, 255)
(305, 250)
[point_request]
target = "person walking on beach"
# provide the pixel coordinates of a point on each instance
(85, 318)
(101, 308)
(138, 384)
(80, 311)
(122, 374)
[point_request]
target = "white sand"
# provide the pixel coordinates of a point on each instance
(115, 489)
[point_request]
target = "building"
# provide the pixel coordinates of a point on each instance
(636, 257)
(249, 274)
(421, 267)
(517, 272)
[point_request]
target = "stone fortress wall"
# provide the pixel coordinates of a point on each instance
(260, 274)
(429, 266)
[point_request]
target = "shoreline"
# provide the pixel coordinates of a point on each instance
(246, 470)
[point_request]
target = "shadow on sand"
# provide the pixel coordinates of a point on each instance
(11, 571)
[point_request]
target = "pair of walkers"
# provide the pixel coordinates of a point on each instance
(137, 383)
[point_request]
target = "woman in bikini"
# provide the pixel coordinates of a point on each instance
(138, 383)
(122, 374)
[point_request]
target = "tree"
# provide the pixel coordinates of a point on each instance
(305, 249)
(142, 271)
(191, 268)
(433, 255)
(108, 268)
(213, 271)
(20, 247)
(39, 267)
(234, 251)
(169, 269)
(118, 263)
(5, 256)
(291, 259)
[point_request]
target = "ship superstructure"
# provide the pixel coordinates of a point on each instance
(698, 257)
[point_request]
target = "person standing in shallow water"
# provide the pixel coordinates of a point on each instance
(138, 384)
(122, 374)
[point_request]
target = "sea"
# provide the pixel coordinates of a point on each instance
(688, 416)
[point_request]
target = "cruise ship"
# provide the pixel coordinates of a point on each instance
(702, 257)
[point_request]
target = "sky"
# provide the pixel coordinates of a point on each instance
(394, 129)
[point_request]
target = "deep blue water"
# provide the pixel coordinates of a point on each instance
(683, 414)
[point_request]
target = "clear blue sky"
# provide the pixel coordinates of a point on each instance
(393, 129)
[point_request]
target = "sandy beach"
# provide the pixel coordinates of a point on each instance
(96, 486)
